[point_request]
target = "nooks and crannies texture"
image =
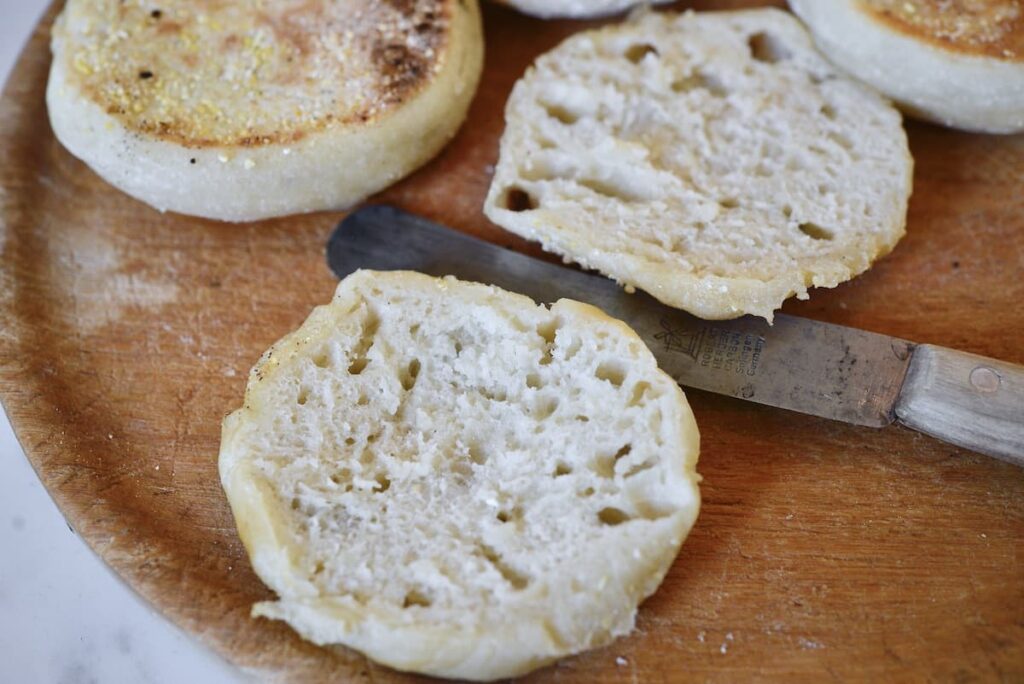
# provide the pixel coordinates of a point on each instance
(715, 160)
(457, 481)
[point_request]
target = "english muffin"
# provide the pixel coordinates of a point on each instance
(251, 109)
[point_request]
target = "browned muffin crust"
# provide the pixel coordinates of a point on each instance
(986, 28)
(249, 73)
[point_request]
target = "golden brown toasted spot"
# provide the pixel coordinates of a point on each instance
(401, 68)
(990, 28)
(168, 27)
(250, 72)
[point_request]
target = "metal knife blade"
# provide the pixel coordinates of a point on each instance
(798, 364)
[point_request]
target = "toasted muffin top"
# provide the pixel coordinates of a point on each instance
(988, 28)
(250, 72)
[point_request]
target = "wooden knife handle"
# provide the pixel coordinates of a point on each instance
(967, 400)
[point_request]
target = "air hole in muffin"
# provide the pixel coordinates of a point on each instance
(764, 47)
(562, 469)
(383, 483)
(533, 381)
(545, 408)
(303, 397)
(814, 231)
(476, 454)
(701, 79)
(612, 372)
(636, 53)
(416, 598)
(612, 516)
(516, 199)
(366, 338)
(637, 469)
(828, 111)
(548, 330)
(508, 516)
(605, 465)
(683, 85)
(585, 493)
(571, 349)
(517, 579)
(322, 360)
(561, 113)
(410, 374)
(498, 394)
(639, 390)
(620, 454)
(729, 203)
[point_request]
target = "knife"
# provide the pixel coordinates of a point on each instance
(798, 364)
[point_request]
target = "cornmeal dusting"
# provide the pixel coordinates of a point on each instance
(994, 28)
(249, 72)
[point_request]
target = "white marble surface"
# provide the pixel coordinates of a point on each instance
(65, 618)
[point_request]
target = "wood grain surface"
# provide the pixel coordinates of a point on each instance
(823, 551)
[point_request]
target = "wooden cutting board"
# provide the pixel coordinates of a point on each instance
(822, 550)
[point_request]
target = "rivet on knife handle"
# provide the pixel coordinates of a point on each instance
(967, 400)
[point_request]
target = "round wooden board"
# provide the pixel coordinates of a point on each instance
(822, 550)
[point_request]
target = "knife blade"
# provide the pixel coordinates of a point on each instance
(797, 364)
